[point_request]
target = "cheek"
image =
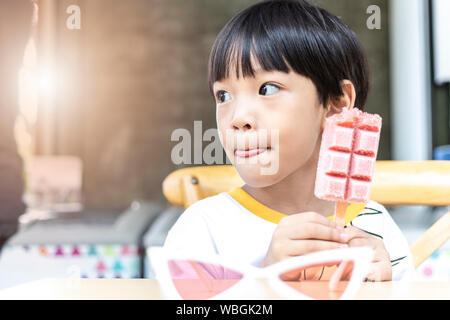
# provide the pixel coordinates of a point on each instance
(299, 138)
(220, 121)
(223, 126)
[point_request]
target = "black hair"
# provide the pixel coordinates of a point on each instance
(292, 34)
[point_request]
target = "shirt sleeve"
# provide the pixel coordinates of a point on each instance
(191, 233)
(377, 221)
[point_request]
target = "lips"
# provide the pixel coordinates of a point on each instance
(249, 152)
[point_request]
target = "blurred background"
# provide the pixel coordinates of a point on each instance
(92, 91)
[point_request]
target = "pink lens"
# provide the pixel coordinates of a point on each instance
(199, 280)
(321, 281)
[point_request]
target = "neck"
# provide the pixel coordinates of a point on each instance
(295, 193)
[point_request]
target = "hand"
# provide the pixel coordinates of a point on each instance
(302, 233)
(380, 269)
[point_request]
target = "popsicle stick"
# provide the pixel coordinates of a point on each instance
(339, 213)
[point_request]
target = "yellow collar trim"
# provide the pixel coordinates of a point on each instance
(264, 212)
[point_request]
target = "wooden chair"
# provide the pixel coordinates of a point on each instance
(395, 183)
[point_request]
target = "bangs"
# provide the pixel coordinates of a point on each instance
(239, 46)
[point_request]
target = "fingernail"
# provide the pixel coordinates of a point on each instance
(339, 228)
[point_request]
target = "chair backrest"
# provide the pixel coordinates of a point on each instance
(394, 183)
(185, 186)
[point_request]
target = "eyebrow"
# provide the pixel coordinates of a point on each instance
(255, 70)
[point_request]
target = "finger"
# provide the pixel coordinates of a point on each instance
(300, 218)
(315, 231)
(379, 271)
(365, 240)
(361, 242)
(299, 247)
(380, 252)
(354, 232)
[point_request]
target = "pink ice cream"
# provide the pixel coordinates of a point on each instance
(347, 156)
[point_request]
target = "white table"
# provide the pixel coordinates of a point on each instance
(148, 289)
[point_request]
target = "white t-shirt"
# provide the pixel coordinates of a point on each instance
(237, 226)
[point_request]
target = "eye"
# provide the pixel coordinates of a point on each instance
(268, 89)
(223, 96)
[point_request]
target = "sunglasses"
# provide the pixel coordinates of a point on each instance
(323, 275)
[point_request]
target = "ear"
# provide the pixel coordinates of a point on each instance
(336, 104)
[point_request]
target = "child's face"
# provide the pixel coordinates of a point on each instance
(280, 108)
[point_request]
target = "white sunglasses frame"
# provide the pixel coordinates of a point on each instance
(247, 287)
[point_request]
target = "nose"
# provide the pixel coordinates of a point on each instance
(243, 119)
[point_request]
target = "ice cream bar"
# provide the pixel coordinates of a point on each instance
(347, 156)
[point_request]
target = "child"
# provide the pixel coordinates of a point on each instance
(283, 67)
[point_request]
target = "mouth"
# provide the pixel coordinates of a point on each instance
(250, 152)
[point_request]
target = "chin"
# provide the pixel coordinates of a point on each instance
(254, 177)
